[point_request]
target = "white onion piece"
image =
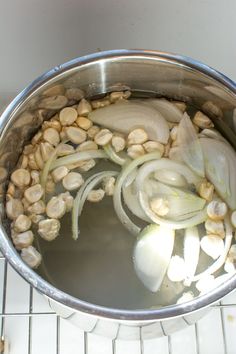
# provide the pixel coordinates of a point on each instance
(48, 165)
(113, 156)
(81, 197)
(191, 252)
(221, 260)
(190, 146)
(127, 169)
(78, 156)
(175, 154)
(152, 254)
(170, 177)
(180, 202)
(176, 270)
(164, 163)
(130, 178)
(169, 111)
(130, 196)
(212, 134)
(197, 219)
(127, 116)
(220, 164)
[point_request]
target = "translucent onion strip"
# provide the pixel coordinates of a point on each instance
(81, 197)
(164, 163)
(127, 169)
(113, 156)
(169, 111)
(78, 156)
(221, 260)
(190, 147)
(130, 196)
(197, 219)
(191, 252)
(152, 254)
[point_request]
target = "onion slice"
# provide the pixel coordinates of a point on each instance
(168, 110)
(197, 219)
(221, 260)
(220, 163)
(191, 252)
(78, 156)
(81, 197)
(126, 116)
(190, 147)
(113, 156)
(167, 164)
(127, 169)
(181, 202)
(152, 254)
(130, 197)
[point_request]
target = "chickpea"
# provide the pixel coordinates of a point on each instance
(31, 256)
(20, 178)
(48, 229)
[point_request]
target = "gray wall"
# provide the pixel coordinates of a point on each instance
(35, 35)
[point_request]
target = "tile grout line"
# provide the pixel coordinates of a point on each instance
(197, 338)
(85, 343)
(170, 345)
(30, 321)
(4, 299)
(223, 329)
(141, 341)
(58, 335)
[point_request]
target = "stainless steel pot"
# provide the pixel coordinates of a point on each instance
(146, 73)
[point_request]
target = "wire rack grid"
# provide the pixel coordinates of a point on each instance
(29, 326)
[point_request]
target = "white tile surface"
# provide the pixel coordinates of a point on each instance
(44, 338)
(16, 329)
(131, 347)
(71, 339)
(157, 346)
(210, 333)
(40, 303)
(186, 339)
(17, 293)
(98, 345)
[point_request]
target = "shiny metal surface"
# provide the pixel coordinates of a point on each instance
(146, 73)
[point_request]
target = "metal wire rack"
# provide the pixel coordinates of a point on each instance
(29, 317)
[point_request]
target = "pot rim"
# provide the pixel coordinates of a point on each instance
(45, 287)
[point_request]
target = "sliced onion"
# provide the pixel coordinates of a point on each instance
(175, 154)
(81, 197)
(168, 109)
(190, 147)
(171, 177)
(191, 252)
(126, 116)
(131, 200)
(212, 134)
(214, 267)
(152, 254)
(181, 202)
(131, 177)
(197, 219)
(220, 163)
(48, 165)
(127, 169)
(113, 156)
(78, 156)
(164, 163)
